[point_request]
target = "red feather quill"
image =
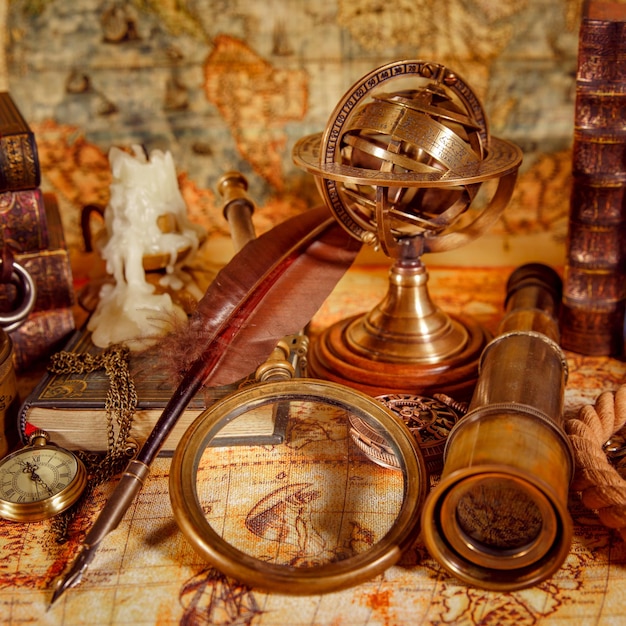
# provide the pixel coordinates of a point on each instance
(272, 287)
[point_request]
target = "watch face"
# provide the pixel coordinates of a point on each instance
(38, 482)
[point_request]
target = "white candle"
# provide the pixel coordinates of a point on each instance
(143, 191)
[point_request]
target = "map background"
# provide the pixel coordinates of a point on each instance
(146, 573)
(233, 85)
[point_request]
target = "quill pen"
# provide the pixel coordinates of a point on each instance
(270, 288)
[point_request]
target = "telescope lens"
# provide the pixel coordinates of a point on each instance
(498, 521)
(496, 515)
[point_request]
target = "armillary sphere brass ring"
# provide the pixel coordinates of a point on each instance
(25, 286)
(319, 575)
(320, 154)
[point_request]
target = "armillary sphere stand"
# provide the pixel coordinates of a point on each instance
(399, 170)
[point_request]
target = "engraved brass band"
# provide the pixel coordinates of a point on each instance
(383, 153)
(422, 107)
(404, 124)
(501, 159)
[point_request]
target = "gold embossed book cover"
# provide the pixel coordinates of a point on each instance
(71, 407)
(19, 160)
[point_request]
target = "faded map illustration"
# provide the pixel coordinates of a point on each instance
(233, 85)
(312, 500)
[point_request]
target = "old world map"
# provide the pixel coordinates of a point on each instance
(232, 85)
(146, 572)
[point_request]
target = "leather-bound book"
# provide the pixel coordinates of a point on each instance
(24, 221)
(49, 267)
(40, 335)
(70, 407)
(51, 319)
(19, 161)
(594, 281)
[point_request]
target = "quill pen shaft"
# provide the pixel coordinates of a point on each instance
(200, 370)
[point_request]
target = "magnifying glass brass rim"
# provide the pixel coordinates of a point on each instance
(283, 578)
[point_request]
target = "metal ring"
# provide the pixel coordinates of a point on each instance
(25, 285)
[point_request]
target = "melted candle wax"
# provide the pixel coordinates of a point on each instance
(142, 191)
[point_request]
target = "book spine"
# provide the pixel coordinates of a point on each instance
(24, 220)
(56, 235)
(19, 164)
(50, 268)
(19, 160)
(594, 281)
(40, 335)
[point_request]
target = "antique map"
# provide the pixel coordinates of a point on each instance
(147, 573)
(233, 85)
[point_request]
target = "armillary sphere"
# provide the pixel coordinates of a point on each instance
(407, 164)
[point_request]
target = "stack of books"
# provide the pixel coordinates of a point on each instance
(594, 283)
(32, 230)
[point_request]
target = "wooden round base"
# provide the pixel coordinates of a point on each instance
(332, 358)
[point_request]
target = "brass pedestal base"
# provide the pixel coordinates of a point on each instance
(404, 345)
(332, 358)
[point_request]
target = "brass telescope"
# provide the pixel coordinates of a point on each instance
(498, 518)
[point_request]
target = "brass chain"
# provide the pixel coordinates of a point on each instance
(120, 405)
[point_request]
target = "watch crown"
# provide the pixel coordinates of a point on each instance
(38, 438)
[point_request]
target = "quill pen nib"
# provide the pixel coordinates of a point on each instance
(116, 506)
(73, 575)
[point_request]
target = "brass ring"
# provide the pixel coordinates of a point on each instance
(321, 154)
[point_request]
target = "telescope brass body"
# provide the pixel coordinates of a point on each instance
(498, 518)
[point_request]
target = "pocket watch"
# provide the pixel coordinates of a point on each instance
(40, 480)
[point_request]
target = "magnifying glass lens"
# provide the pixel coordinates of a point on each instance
(271, 487)
(300, 495)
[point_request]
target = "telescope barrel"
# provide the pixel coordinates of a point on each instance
(498, 518)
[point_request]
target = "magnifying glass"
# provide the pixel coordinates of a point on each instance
(272, 488)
